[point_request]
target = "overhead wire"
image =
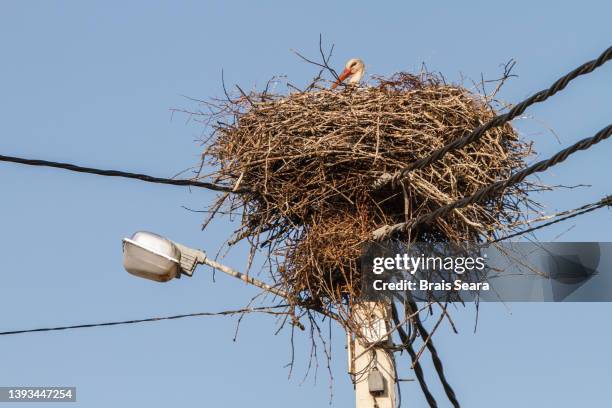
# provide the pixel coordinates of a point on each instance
(497, 187)
(268, 309)
(566, 215)
(499, 120)
(124, 174)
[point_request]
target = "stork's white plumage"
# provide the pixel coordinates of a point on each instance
(354, 70)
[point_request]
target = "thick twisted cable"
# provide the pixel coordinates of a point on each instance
(499, 120)
(497, 187)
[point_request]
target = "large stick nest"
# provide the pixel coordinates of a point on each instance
(311, 158)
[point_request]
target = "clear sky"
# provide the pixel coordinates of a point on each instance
(92, 83)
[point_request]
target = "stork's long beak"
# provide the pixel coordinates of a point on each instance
(343, 75)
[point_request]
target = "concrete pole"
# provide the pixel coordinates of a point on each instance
(366, 355)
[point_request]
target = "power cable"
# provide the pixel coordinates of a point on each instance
(150, 319)
(418, 370)
(604, 202)
(124, 174)
(497, 187)
(499, 120)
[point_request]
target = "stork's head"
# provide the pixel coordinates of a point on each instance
(354, 70)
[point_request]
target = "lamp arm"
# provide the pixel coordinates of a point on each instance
(244, 277)
(190, 258)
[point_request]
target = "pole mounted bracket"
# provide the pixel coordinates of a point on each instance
(190, 258)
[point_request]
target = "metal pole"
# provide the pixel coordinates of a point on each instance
(243, 277)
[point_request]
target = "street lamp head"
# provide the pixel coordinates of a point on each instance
(151, 256)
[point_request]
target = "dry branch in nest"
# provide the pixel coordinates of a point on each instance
(311, 158)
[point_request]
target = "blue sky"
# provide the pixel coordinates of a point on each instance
(92, 83)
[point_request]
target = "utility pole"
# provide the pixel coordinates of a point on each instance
(371, 364)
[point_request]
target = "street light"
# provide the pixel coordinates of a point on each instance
(151, 256)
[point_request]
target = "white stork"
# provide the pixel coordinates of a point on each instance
(354, 70)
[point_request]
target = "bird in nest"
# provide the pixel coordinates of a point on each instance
(354, 70)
